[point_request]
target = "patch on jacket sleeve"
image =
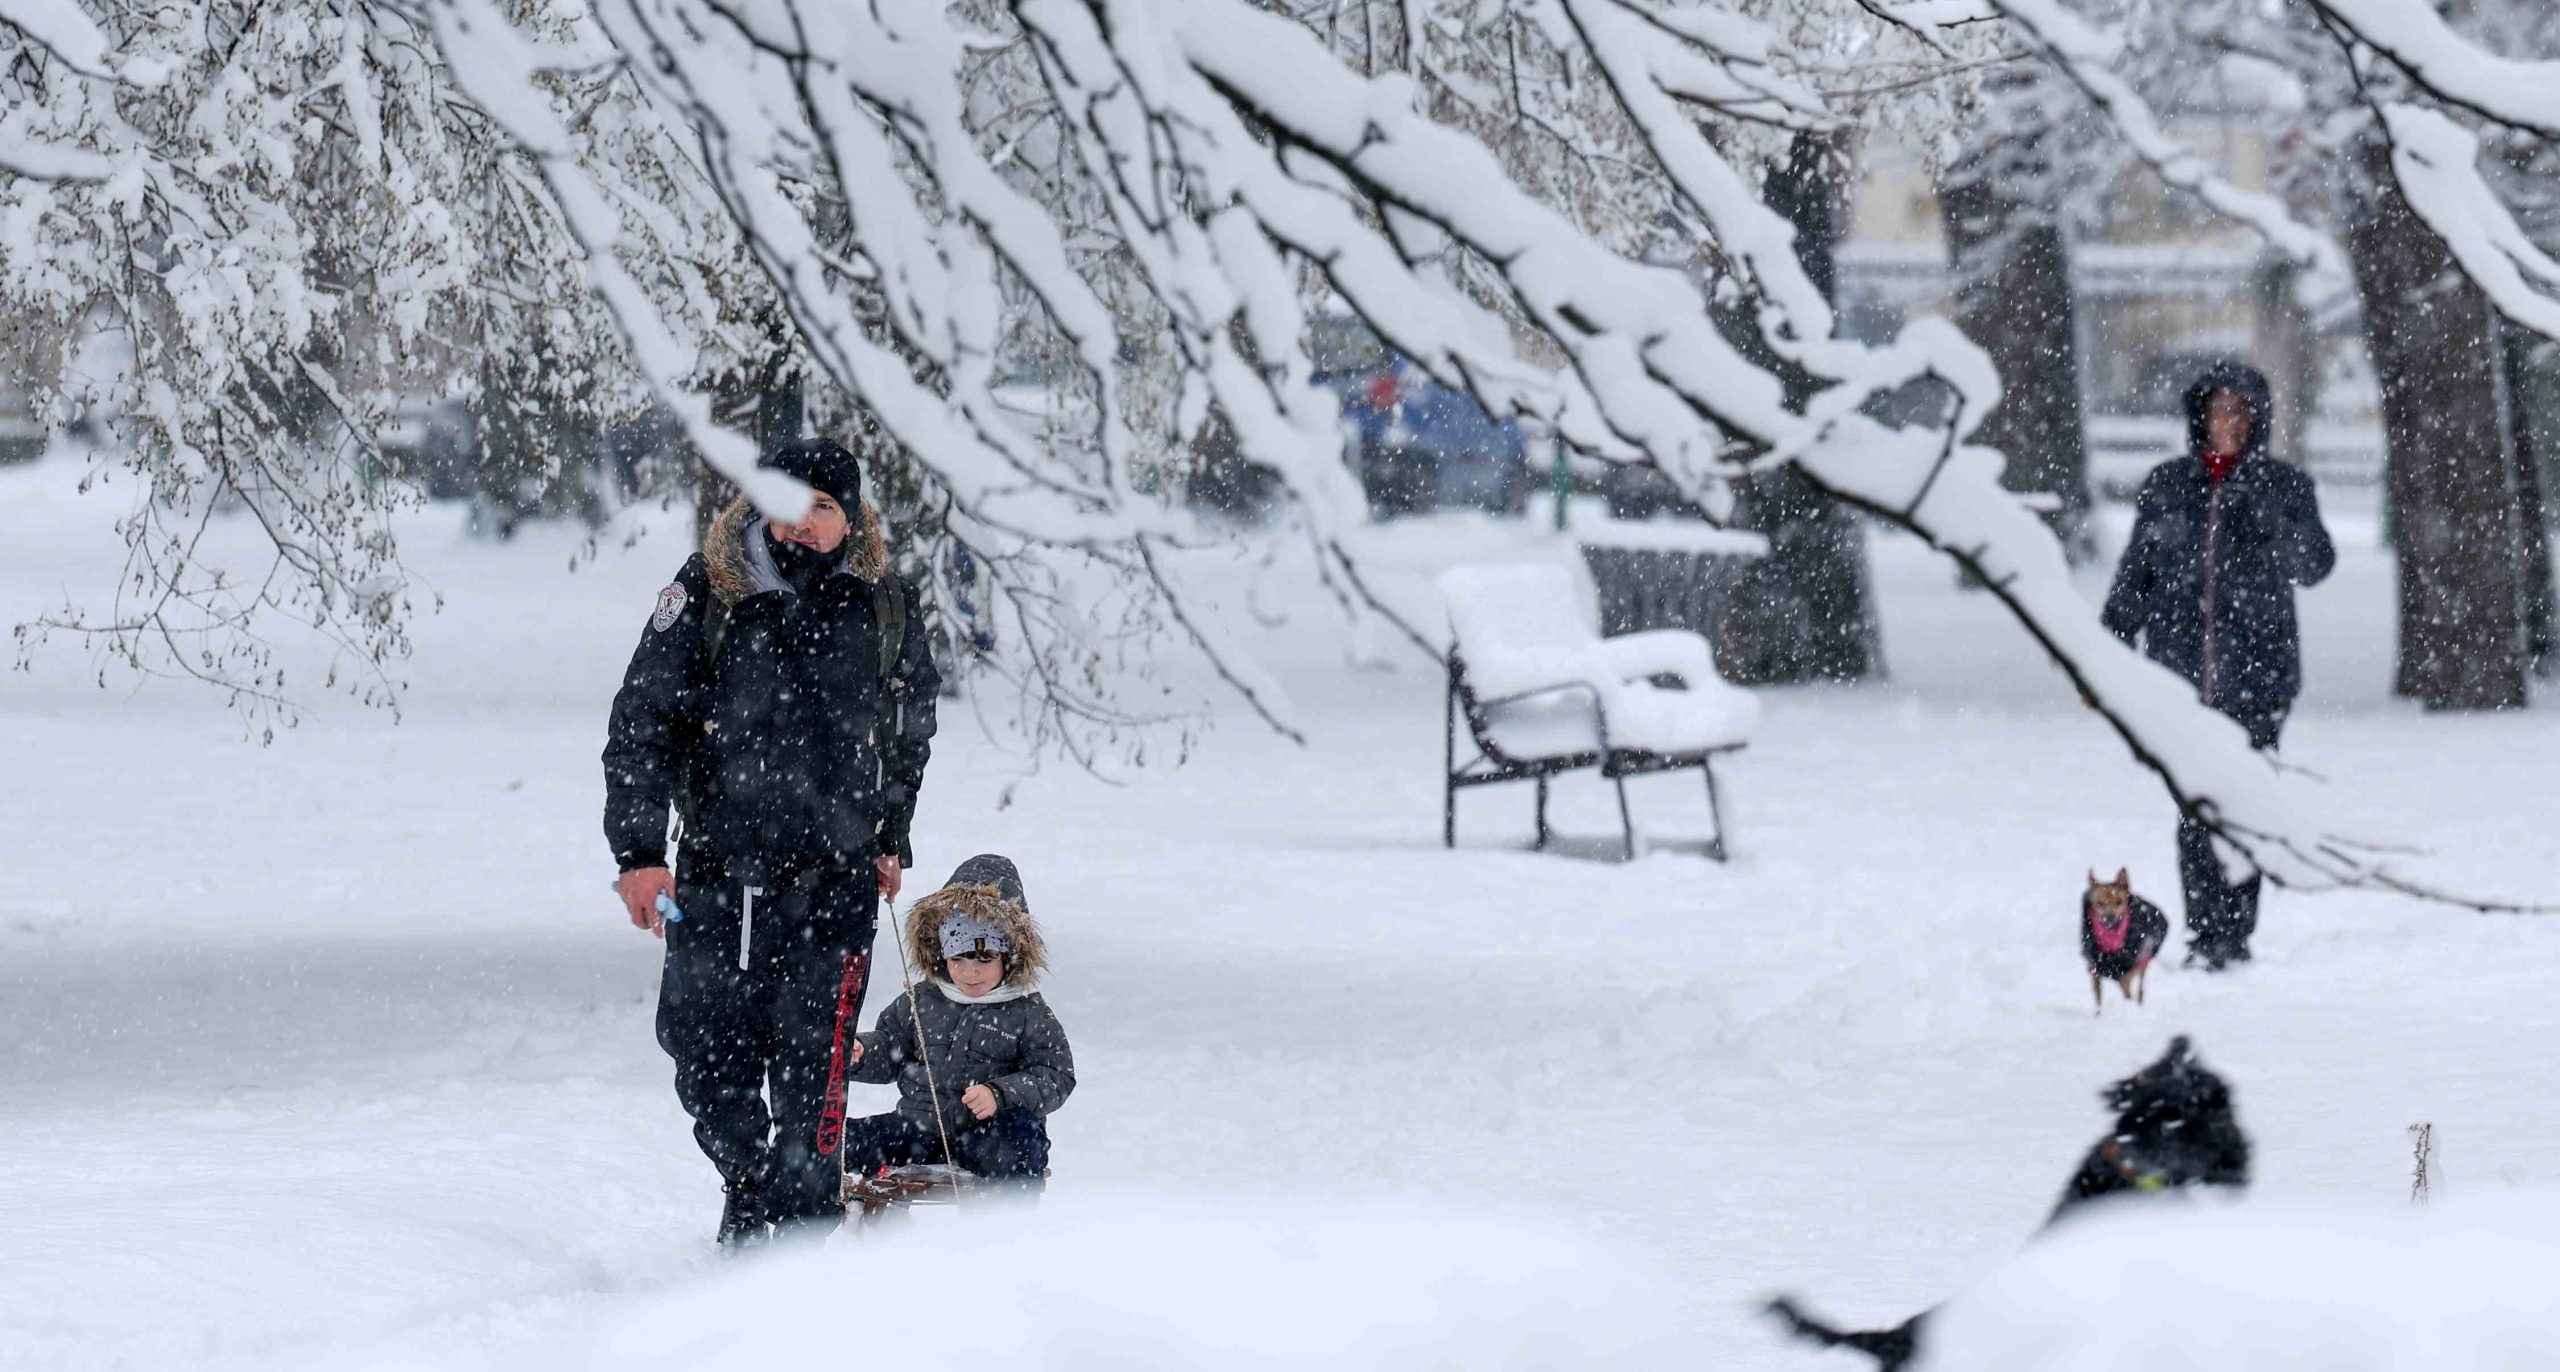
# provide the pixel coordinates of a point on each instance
(671, 603)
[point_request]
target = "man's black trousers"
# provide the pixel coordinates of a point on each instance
(2221, 914)
(758, 1006)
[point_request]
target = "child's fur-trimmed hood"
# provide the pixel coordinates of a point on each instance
(724, 552)
(1022, 967)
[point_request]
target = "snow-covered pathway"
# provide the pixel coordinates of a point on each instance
(338, 1050)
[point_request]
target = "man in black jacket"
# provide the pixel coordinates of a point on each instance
(782, 701)
(2221, 537)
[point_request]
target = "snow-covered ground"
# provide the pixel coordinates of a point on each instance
(338, 1051)
(2273, 1284)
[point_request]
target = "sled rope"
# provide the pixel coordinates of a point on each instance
(915, 1014)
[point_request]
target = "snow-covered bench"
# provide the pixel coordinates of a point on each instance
(1542, 692)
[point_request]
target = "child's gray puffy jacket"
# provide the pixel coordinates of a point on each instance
(1014, 1046)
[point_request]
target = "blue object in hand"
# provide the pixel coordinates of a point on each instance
(667, 908)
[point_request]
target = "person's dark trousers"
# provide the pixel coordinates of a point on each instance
(1012, 1144)
(2221, 915)
(758, 1006)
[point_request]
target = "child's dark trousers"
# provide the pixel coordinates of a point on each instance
(1014, 1143)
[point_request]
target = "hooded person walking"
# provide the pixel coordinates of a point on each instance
(2221, 537)
(781, 700)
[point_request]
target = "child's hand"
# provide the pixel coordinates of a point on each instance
(853, 1053)
(980, 1100)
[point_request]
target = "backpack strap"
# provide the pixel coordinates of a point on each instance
(715, 626)
(889, 611)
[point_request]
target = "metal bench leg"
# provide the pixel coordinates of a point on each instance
(1542, 815)
(1449, 767)
(1626, 818)
(1715, 812)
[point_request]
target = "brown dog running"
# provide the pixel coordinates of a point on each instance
(2120, 932)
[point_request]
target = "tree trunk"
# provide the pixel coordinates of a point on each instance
(2451, 459)
(2290, 358)
(2012, 275)
(764, 403)
(2528, 402)
(1810, 612)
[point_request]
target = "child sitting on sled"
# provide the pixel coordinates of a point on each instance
(988, 1047)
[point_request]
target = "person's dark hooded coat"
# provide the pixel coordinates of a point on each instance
(759, 704)
(2207, 582)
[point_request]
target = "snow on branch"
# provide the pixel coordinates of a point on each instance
(2437, 163)
(1640, 336)
(498, 68)
(1165, 192)
(1651, 78)
(2435, 159)
(2413, 34)
(2089, 56)
(1713, 58)
(1923, 15)
(38, 160)
(61, 28)
(286, 224)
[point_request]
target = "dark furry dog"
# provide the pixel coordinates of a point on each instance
(2174, 1129)
(2120, 933)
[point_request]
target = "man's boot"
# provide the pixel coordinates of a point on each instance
(742, 1218)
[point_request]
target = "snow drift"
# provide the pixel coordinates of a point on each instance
(1207, 1281)
(2460, 1287)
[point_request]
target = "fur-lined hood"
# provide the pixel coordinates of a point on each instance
(1022, 967)
(724, 552)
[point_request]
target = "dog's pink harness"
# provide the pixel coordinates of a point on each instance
(2111, 937)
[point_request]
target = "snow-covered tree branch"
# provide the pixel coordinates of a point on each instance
(2415, 37)
(275, 223)
(2438, 164)
(2088, 56)
(1237, 171)
(1044, 246)
(2434, 157)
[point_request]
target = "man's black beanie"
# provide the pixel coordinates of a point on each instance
(826, 466)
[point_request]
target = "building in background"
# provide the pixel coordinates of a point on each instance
(2163, 290)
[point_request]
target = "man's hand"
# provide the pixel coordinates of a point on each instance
(853, 1053)
(981, 1100)
(640, 888)
(891, 878)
